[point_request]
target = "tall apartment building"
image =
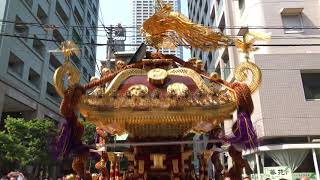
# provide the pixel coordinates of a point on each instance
(27, 66)
(212, 14)
(286, 115)
(141, 11)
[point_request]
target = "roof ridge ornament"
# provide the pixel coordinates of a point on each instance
(168, 29)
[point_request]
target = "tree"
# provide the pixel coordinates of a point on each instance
(27, 143)
(10, 153)
(89, 133)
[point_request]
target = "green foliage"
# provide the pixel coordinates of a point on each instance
(89, 133)
(26, 142)
(10, 152)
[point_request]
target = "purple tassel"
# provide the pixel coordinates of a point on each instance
(63, 143)
(97, 138)
(66, 145)
(244, 133)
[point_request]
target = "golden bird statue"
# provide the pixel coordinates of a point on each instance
(168, 29)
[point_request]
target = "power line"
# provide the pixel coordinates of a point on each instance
(138, 27)
(230, 36)
(114, 44)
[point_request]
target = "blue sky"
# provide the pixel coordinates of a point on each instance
(119, 11)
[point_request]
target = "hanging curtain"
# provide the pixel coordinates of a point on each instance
(292, 158)
(251, 161)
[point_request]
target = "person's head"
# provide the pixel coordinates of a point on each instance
(219, 133)
(304, 178)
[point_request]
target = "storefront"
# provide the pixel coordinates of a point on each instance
(287, 161)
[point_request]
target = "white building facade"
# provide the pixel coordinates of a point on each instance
(141, 11)
(31, 29)
(287, 104)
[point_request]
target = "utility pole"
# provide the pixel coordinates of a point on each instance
(116, 39)
(110, 42)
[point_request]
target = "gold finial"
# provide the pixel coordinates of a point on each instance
(67, 48)
(247, 45)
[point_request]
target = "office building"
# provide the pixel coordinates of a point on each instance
(141, 11)
(27, 65)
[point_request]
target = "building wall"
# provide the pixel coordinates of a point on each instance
(40, 65)
(284, 108)
(281, 109)
(200, 12)
(214, 14)
(141, 11)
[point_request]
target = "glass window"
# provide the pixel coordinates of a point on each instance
(39, 47)
(34, 78)
(292, 23)
(21, 28)
(15, 64)
(311, 85)
(42, 15)
(61, 14)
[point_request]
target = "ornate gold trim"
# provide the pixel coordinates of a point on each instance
(116, 82)
(157, 76)
(177, 90)
(137, 90)
(242, 76)
(193, 75)
(159, 122)
(66, 69)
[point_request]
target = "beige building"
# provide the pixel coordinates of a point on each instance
(287, 105)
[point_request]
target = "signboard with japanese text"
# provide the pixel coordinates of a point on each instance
(277, 173)
(295, 176)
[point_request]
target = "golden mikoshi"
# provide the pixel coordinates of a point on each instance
(162, 26)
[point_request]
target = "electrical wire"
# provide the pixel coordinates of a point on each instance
(114, 44)
(138, 27)
(229, 36)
